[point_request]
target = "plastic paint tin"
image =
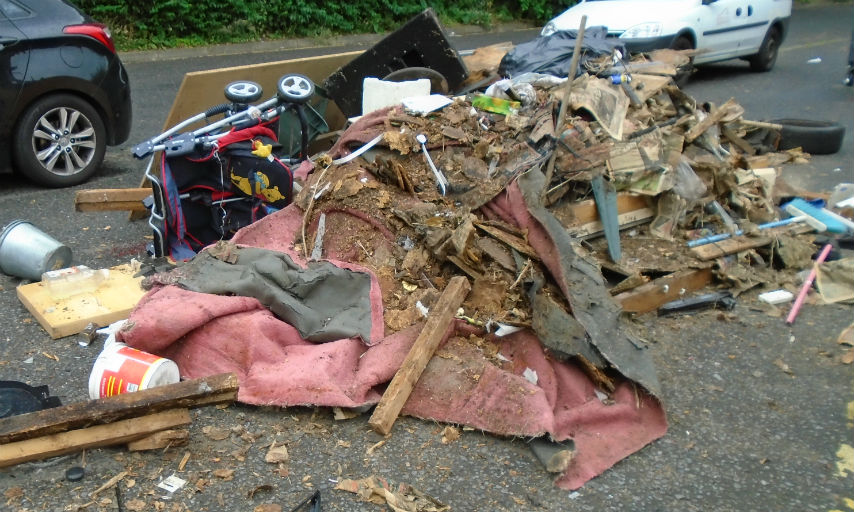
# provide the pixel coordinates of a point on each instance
(122, 369)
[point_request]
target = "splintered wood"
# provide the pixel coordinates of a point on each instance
(109, 421)
(438, 321)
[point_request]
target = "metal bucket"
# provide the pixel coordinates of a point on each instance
(26, 251)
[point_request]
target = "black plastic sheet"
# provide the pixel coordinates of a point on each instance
(553, 54)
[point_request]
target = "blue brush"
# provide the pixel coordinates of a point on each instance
(820, 219)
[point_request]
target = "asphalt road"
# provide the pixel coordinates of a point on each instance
(744, 434)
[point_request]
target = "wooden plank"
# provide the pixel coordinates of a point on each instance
(513, 241)
(438, 320)
(650, 296)
(729, 246)
(92, 437)
(190, 393)
(111, 199)
(162, 439)
(584, 212)
(740, 143)
(112, 301)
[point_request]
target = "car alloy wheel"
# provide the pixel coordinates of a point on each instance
(60, 141)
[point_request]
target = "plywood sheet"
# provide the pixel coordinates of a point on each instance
(112, 301)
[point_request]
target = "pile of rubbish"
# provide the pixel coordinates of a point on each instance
(561, 203)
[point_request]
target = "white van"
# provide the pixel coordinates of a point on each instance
(719, 29)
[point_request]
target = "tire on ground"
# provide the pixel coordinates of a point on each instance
(76, 149)
(814, 137)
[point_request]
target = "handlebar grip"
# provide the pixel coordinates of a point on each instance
(218, 109)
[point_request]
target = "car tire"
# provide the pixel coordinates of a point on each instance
(59, 141)
(683, 74)
(767, 56)
(814, 137)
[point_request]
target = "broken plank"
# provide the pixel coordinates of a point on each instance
(92, 437)
(111, 301)
(111, 199)
(740, 143)
(190, 393)
(515, 242)
(651, 295)
(438, 320)
(624, 220)
(162, 439)
(729, 246)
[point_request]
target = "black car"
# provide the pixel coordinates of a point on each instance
(64, 93)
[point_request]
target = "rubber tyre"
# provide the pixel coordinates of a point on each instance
(76, 158)
(767, 56)
(684, 73)
(814, 137)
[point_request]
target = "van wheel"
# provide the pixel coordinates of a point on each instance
(683, 74)
(767, 56)
(59, 141)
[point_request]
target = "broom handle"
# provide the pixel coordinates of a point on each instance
(807, 284)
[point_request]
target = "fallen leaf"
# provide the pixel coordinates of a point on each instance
(130, 482)
(450, 434)
(50, 356)
(135, 505)
(783, 366)
(847, 357)
(13, 494)
(225, 474)
(263, 487)
(276, 454)
(216, 433)
(268, 507)
(846, 337)
(343, 444)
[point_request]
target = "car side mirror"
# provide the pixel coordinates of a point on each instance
(707, 2)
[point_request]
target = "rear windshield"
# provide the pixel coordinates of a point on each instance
(13, 11)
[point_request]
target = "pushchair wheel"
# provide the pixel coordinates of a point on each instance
(295, 88)
(243, 91)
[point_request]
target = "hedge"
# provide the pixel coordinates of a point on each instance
(163, 23)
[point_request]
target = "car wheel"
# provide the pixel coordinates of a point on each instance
(767, 56)
(683, 74)
(813, 137)
(59, 141)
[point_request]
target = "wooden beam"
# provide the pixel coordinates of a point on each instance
(109, 199)
(189, 393)
(162, 439)
(119, 432)
(438, 320)
(729, 246)
(650, 296)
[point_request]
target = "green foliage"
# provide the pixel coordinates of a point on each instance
(164, 23)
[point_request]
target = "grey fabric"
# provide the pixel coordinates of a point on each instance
(323, 302)
(592, 305)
